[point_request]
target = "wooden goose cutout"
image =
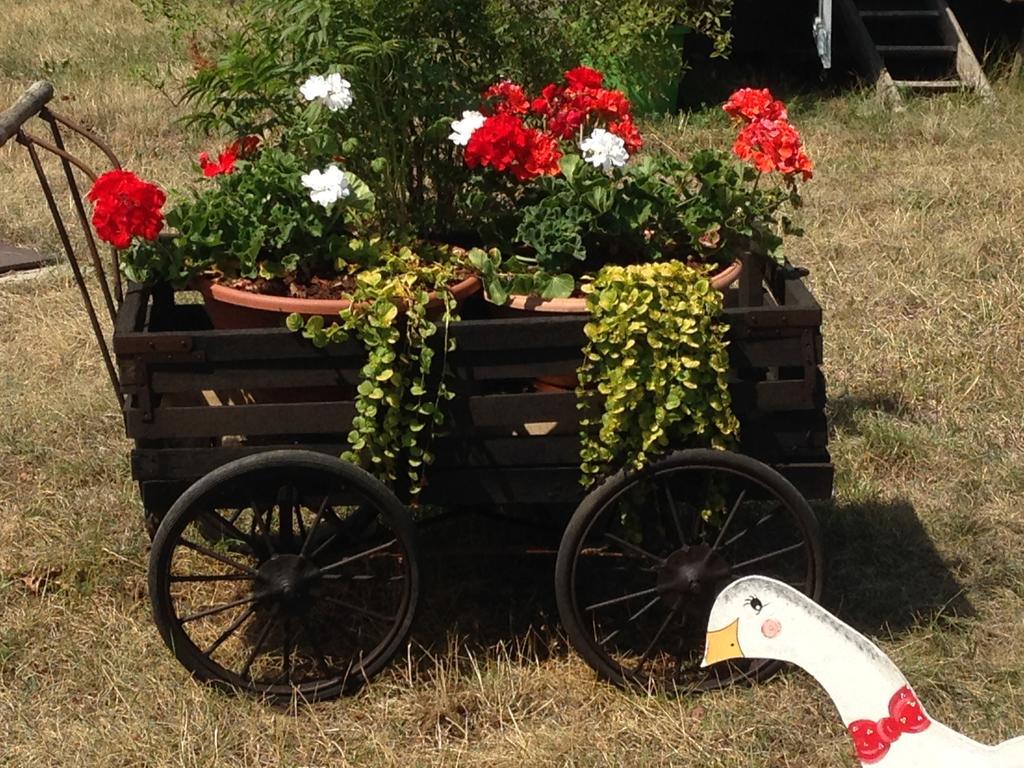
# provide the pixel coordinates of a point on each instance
(760, 618)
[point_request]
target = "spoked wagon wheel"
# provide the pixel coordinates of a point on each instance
(646, 553)
(285, 573)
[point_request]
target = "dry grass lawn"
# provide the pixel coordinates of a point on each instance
(915, 239)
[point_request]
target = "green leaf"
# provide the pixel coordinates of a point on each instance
(559, 287)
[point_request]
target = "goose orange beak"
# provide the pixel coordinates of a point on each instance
(723, 644)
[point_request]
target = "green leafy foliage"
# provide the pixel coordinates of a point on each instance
(255, 222)
(398, 309)
(705, 208)
(412, 65)
(416, 64)
(638, 44)
(655, 368)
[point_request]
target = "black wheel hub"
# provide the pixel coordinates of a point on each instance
(690, 575)
(287, 580)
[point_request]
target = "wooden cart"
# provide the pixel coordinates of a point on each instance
(279, 569)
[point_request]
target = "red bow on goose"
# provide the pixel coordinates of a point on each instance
(872, 740)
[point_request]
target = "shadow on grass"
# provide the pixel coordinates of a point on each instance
(489, 581)
(845, 412)
(883, 573)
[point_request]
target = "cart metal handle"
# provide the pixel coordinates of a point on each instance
(28, 106)
(33, 104)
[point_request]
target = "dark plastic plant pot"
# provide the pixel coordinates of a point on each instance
(651, 80)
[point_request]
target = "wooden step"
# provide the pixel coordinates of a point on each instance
(916, 51)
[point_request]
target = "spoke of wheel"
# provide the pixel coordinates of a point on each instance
(286, 651)
(674, 514)
(218, 609)
(360, 609)
(264, 525)
(215, 519)
(353, 558)
(286, 502)
(232, 628)
(630, 620)
(726, 524)
(258, 646)
(210, 577)
(313, 528)
(684, 658)
(324, 545)
(748, 529)
(623, 599)
(215, 555)
(297, 511)
(238, 514)
(654, 641)
(320, 659)
(634, 548)
(769, 556)
(374, 577)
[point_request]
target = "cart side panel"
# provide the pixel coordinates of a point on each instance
(198, 398)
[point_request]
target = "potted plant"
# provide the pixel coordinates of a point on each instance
(561, 192)
(644, 246)
(281, 229)
(277, 226)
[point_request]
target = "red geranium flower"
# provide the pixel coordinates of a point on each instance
(542, 157)
(126, 207)
(752, 104)
(505, 96)
(609, 105)
(568, 108)
(549, 94)
(225, 163)
(626, 130)
(504, 143)
(584, 77)
(773, 145)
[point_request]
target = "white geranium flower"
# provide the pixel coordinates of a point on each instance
(326, 187)
(339, 93)
(333, 91)
(314, 88)
(604, 149)
(463, 130)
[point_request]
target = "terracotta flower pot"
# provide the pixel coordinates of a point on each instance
(518, 304)
(232, 308)
(578, 304)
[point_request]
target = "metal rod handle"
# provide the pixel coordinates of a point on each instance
(33, 100)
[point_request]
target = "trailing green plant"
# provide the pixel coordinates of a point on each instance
(654, 375)
(397, 309)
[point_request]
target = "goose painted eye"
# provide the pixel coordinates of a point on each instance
(755, 604)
